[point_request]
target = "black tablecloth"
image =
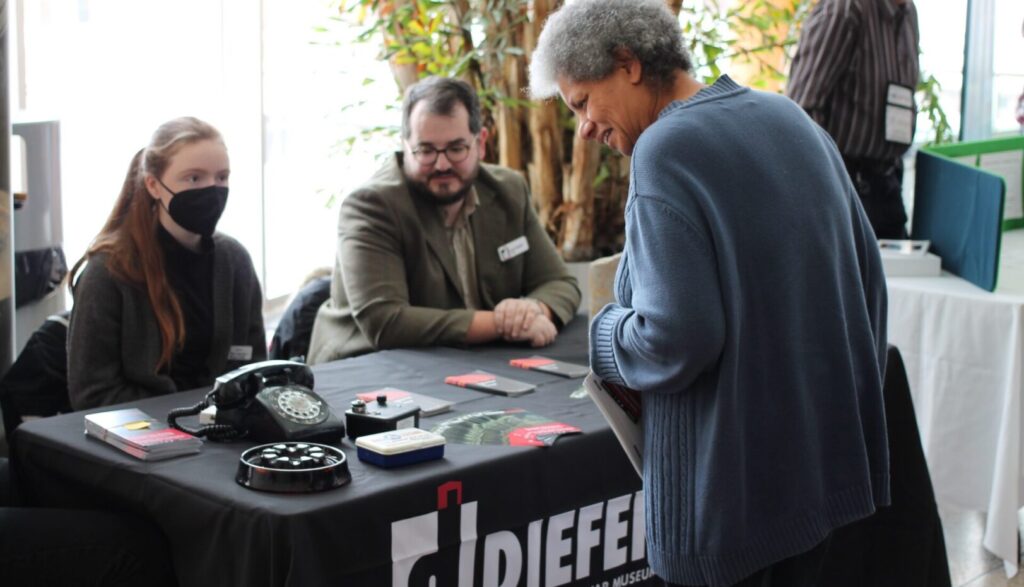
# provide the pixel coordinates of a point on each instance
(568, 514)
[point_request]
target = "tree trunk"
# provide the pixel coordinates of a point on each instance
(545, 132)
(546, 163)
(509, 119)
(578, 226)
(405, 74)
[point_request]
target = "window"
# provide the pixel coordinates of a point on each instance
(942, 56)
(320, 91)
(995, 72)
(1008, 66)
(111, 71)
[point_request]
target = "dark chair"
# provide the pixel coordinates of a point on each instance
(901, 545)
(37, 382)
(291, 338)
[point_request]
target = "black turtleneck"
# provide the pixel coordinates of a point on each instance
(190, 275)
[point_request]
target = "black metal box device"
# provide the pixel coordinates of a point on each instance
(379, 416)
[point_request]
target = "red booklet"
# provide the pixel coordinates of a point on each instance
(484, 381)
(546, 365)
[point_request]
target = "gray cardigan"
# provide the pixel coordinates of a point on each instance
(114, 340)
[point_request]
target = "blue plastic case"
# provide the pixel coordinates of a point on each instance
(397, 448)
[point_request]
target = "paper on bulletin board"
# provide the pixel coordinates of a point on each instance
(1009, 165)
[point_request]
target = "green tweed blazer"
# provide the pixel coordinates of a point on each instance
(395, 282)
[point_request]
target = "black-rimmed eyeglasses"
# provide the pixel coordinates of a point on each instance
(427, 155)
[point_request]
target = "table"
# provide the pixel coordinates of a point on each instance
(964, 353)
(484, 515)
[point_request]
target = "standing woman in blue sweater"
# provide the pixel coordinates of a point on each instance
(164, 303)
(750, 303)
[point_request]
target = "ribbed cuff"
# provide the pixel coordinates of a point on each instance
(602, 343)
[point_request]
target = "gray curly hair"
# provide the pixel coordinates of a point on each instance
(580, 41)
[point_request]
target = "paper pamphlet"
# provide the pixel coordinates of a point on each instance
(512, 426)
(621, 407)
(1009, 165)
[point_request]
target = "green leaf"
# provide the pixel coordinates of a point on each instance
(602, 175)
(421, 49)
(417, 29)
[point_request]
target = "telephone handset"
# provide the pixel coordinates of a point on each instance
(268, 401)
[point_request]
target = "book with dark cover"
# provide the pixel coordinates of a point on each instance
(140, 435)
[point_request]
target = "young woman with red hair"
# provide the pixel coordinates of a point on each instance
(163, 303)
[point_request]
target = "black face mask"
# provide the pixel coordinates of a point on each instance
(198, 210)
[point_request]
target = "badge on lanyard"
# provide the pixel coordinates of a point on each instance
(899, 114)
(513, 248)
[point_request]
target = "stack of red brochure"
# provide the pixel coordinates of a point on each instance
(140, 435)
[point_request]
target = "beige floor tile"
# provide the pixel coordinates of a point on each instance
(996, 578)
(968, 559)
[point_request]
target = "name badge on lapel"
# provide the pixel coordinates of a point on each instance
(240, 353)
(513, 248)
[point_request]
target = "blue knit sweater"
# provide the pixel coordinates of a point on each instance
(751, 313)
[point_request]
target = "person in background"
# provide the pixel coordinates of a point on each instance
(162, 302)
(439, 248)
(291, 337)
(855, 72)
(1020, 111)
(750, 309)
(1020, 101)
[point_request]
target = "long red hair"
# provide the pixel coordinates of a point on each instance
(129, 236)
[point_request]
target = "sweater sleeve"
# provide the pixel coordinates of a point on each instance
(873, 278)
(95, 365)
(672, 327)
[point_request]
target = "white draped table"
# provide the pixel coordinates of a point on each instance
(964, 349)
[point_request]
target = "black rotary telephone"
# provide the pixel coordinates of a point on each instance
(269, 401)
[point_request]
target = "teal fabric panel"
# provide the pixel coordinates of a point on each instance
(960, 210)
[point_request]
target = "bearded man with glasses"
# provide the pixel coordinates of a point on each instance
(439, 248)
